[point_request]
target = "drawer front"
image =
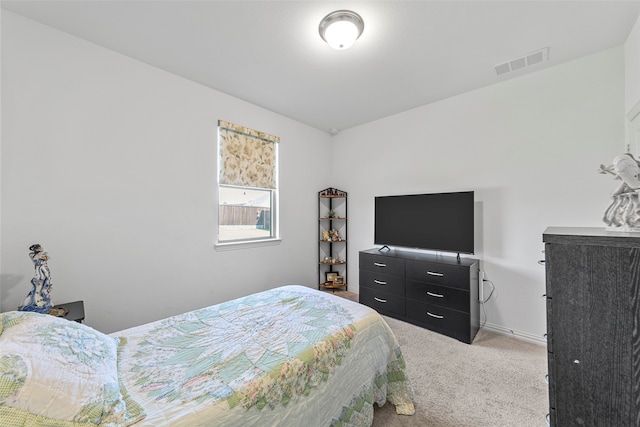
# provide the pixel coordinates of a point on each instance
(382, 264)
(382, 301)
(438, 274)
(382, 283)
(551, 382)
(438, 317)
(455, 299)
(549, 324)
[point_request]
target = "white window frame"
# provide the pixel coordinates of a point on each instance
(274, 237)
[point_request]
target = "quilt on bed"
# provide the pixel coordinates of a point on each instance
(291, 356)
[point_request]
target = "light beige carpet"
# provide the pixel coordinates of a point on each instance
(497, 381)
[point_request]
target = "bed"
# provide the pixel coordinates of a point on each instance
(290, 356)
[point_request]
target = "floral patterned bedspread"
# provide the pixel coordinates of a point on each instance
(290, 356)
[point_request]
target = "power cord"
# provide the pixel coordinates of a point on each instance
(493, 288)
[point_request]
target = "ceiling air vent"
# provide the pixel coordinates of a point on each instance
(536, 57)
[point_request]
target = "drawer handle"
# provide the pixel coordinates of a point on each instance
(548, 419)
(379, 282)
(433, 273)
(546, 379)
(379, 264)
(379, 299)
(431, 294)
(435, 315)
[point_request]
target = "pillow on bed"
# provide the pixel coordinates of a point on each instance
(55, 369)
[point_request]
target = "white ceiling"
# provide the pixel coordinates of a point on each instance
(270, 54)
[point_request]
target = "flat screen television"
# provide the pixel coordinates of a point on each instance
(436, 221)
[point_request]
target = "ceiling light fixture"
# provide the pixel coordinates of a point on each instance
(341, 29)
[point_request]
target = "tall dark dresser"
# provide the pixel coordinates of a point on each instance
(593, 326)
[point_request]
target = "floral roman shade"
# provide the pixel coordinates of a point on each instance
(247, 157)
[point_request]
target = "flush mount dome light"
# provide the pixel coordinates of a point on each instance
(341, 29)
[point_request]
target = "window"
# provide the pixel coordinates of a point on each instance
(247, 184)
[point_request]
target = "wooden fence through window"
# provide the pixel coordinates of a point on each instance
(240, 215)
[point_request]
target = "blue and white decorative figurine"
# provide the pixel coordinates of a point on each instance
(39, 299)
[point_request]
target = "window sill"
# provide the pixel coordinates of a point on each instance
(230, 246)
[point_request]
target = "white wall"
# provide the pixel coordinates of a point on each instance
(110, 164)
(528, 147)
(632, 67)
(632, 90)
(0, 156)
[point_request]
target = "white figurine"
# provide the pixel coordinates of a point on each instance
(623, 212)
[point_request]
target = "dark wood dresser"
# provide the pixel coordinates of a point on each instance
(593, 326)
(432, 291)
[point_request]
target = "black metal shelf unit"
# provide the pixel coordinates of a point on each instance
(332, 239)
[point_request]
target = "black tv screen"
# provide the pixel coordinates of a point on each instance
(439, 222)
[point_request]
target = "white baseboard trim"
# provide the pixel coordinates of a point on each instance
(518, 334)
